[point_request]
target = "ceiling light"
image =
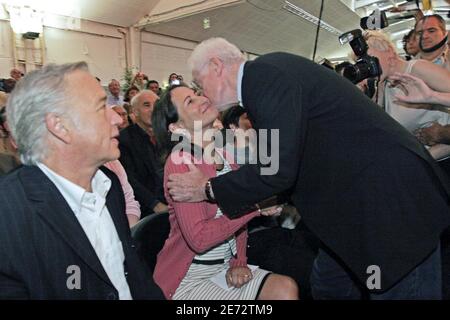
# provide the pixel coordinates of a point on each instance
(311, 18)
(25, 19)
(206, 23)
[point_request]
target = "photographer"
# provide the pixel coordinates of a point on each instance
(412, 117)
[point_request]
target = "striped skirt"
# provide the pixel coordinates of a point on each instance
(197, 284)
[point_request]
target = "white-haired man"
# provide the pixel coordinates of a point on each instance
(364, 185)
(63, 229)
(114, 96)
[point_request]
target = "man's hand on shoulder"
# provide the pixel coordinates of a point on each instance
(189, 186)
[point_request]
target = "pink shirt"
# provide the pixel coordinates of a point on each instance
(194, 229)
(132, 207)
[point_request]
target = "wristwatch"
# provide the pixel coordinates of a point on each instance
(208, 192)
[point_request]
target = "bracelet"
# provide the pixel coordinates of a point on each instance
(208, 192)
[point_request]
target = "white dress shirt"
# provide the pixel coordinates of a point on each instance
(93, 215)
(240, 75)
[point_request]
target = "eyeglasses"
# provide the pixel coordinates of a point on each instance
(197, 88)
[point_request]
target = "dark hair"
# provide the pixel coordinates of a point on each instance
(126, 98)
(441, 21)
(164, 113)
(170, 75)
(8, 85)
(2, 121)
(151, 82)
(231, 116)
(406, 38)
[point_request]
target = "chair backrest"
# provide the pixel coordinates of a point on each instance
(150, 234)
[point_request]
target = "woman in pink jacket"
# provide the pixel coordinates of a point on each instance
(204, 256)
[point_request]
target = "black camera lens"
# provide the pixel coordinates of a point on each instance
(357, 72)
(366, 67)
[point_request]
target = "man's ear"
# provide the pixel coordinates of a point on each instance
(56, 126)
(216, 65)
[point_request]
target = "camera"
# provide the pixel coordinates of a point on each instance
(366, 66)
(376, 20)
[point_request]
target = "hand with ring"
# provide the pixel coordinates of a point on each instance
(238, 276)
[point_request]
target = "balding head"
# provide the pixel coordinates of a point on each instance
(16, 74)
(214, 47)
(143, 104)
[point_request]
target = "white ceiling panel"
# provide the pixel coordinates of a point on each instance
(262, 26)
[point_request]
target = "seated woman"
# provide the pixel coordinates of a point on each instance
(203, 242)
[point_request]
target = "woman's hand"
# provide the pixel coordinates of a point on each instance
(415, 90)
(238, 276)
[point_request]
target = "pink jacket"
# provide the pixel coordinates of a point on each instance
(132, 207)
(194, 230)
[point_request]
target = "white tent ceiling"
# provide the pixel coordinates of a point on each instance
(261, 26)
(256, 26)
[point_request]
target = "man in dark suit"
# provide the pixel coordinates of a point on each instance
(139, 156)
(63, 229)
(362, 184)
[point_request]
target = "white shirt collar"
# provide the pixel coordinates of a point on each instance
(73, 193)
(92, 213)
(239, 82)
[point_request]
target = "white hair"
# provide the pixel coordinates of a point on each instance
(214, 47)
(136, 99)
(379, 41)
(39, 93)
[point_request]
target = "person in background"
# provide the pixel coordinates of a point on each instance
(243, 146)
(123, 114)
(114, 96)
(130, 93)
(416, 91)
(413, 118)
(9, 158)
(411, 45)
(432, 35)
(153, 85)
(132, 207)
(63, 226)
(16, 74)
(140, 81)
(139, 156)
(173, 79)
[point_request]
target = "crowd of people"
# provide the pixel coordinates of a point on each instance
(367, 175)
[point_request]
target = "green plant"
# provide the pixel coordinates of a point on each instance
(127, 79)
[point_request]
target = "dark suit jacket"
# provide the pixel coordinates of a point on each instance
(363, 184)
(7, 163)
(40, 238)
(145, 172)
